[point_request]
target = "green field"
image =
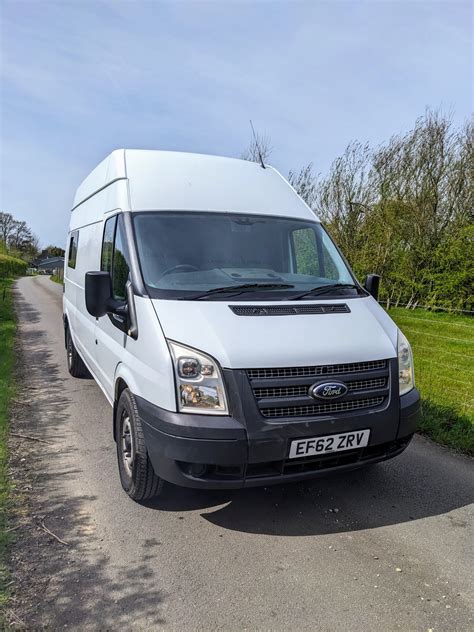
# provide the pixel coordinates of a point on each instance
(7, 334)
(443, 347)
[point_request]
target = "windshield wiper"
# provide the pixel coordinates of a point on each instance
(317, 291)
(237, 289)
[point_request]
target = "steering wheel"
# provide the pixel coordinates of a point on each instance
(183, 267)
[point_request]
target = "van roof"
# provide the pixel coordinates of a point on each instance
(170, 180)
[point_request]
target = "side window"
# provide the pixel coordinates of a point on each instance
(114, 258)
(121, 266)
(72, 253)
(108, 244)
(305, 251)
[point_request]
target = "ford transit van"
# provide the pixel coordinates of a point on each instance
(225, 328)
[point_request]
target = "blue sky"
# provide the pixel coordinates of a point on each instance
(80, 78)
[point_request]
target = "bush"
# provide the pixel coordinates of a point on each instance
(10, 266)
(404, 211)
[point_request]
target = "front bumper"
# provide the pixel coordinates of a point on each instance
(215, 452)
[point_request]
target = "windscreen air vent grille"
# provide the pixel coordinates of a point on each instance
(289, 310)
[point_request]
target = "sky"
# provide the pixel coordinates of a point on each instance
(80, 78)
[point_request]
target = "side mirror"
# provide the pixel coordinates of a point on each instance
(372, 283)
(98, 289)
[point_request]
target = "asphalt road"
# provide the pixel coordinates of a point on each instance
(386, 548)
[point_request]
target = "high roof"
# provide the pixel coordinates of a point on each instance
(168, 180)
(109, 170)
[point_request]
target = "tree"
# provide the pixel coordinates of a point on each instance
(54, 251)
(259, 143)
(17, 238)
(342, 199)
(7, 222)
(305, 184)
(20, 236)
(397, 209)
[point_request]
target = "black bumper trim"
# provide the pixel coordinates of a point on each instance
(409, 413)
(175, 441)
(187, 425)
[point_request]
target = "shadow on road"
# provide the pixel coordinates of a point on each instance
(422, 482)
(57, 584)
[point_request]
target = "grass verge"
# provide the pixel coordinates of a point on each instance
(7, 387)
(56, 279)
(443, 349)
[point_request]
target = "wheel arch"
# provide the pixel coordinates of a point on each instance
(66, 327)
(123, 379)
(120, 386)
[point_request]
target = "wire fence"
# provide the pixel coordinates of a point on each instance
(430, 308)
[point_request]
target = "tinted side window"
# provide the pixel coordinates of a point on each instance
(121, 266)
(72, 253)
(108, 244)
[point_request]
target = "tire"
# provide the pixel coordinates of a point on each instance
(75, 364)
(137, 475)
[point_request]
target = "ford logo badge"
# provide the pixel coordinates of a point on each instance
(328, 390)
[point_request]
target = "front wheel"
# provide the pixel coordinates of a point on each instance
(75, 364)
(137, 475)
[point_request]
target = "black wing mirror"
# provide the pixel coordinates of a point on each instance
(100, 301)
(98, 293)
(372, 283)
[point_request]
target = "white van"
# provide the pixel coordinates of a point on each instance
(225, 328)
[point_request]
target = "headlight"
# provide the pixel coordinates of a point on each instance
(199, 383)
(406, 374)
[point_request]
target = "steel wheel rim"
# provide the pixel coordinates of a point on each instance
(128, 451)
(69, 351)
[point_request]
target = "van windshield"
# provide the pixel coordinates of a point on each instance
(203, 255)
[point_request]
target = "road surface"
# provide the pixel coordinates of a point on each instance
(383, 549)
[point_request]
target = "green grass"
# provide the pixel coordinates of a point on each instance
(7, 388)
(443, 348)
(56, 279)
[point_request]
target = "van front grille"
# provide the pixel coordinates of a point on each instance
(321, 409)
(330, 369)
(297, 391)
(286, 392)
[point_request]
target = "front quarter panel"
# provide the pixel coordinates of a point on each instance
(146, 365)
(384, 321)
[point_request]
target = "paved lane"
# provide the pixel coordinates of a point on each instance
(320, 555)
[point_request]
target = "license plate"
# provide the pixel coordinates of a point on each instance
(329, 443)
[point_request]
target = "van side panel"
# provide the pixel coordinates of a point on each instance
(81, 323)
(87, 219)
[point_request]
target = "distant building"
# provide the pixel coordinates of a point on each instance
(49, 265)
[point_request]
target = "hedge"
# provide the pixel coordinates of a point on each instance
(11, 266)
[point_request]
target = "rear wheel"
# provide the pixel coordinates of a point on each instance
(75, 364)
(137, 475)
